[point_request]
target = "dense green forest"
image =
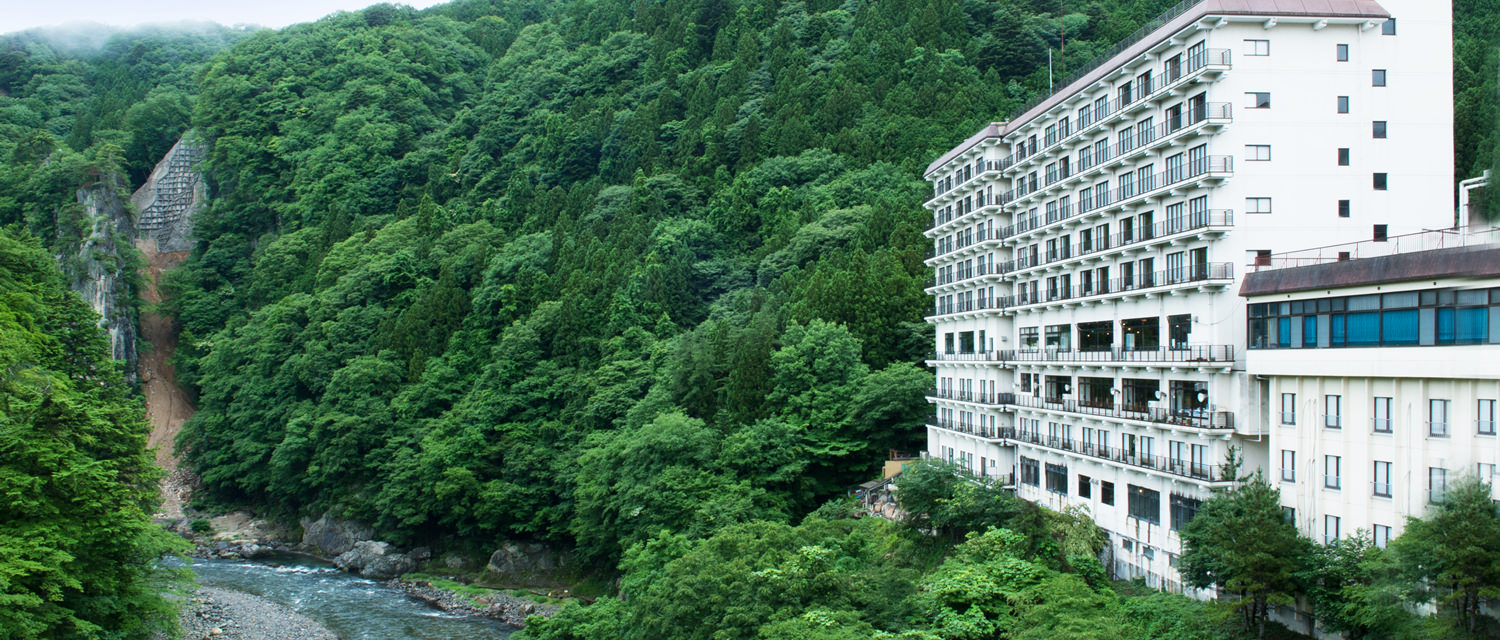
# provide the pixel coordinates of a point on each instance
(78, 550)
(640, 279)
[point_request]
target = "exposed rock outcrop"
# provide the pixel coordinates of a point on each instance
(380, 560)
(527, 564)
(329, 537)
(97, 269)
(171, 197)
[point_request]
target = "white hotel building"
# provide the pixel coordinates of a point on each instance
(1090, 337)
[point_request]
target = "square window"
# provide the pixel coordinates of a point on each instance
(1388, 28)
(1377, 78)
(1343, 104)
(1343, 156)
(1257, 205)
(1257, 47)
(1257, 100)
(1257, 152)
(1377, 129)
(1380, 233)
(1380, 182)
(1343, 208)
(1342, 53)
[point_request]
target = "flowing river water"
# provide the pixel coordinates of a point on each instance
(348, 605)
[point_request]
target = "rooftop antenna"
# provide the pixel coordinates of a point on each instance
(1049, 69)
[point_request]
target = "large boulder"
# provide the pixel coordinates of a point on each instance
(527, 564)
(329, 537)
(379, 560)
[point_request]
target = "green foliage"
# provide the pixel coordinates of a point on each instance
(1242, 541)
(78, 550)
(1453, 555)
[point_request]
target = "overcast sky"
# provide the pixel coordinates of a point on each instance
(25, 14)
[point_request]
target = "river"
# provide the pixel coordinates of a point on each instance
(348, 605)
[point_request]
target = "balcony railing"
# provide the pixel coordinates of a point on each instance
(992, 433)
(1174, 466)
(980, 303)
(1382, 489)
(1380, 425)
(1099, 156)
(1119, 195)
(994, 399)
(1213, 271)
(1161, 230)
(1216, 353)
(1104, 408)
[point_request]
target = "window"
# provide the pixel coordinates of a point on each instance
(1257, 205)
(1145, 504)
(1382, 484)
(1485, 417)
(1437, 484)
(1331, 475)
(1257, 47)
(1343, 156)
(1437, 418)
(1343, 104)
(1487, 473)
(1330, 529)
(1262, 257)
(1382, 535)
(1257, 100)
(1380, 233)
(1332, 417)
(1085, 486)
(1257, 152)
(1377, 77)
(1288, 408)
(1382, 415)
(1057, 479)
(1183, 510)
(1030, 472)
(1341, 53)
(1288, 465)
(1388, 28)
(1343, 208)
(1380, 182)
(1377, 129)
(1106, 489)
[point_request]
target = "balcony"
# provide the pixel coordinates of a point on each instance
(1203, 223)
(986, 433)
(1213, 274)
(1217, 355)
(978, 305)
(989, 399)
(1170, 466)
(1191, 418)
(1210, 116)
(1211, 61)
(1206, 168)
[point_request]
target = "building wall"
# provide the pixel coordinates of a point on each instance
(1302, 178)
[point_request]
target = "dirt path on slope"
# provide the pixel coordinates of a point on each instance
(167, 405)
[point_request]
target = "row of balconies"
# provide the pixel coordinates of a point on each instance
(1211, 60)
(1173, 466)
(1215, 219)
(1106, 156)
(1203, 353)
(1212, 274)
(1209, 166)
(1099, 408)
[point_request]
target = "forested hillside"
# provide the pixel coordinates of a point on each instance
(642, 279)
(78, 551)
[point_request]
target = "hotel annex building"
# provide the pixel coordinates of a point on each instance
(1090, 336)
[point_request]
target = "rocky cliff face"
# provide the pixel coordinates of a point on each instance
(170, 198)
(97, 269)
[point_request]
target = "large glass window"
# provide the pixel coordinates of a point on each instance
(1178, 329)
(1145, 504)
(1057, 479)
(1141, 333)
(1189, 398)
(1138, 392)
(1095, 392)
(1059, 337)
(1382, 418)
(1096, 336)
(1030, 338)
(1382, 484)
(1184, 509)
(1030, 472)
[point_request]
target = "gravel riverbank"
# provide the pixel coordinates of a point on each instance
(222, 614)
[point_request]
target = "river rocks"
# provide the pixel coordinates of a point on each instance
(526, 564)
(222, 614)
(330, 538)
(499, 605)
(379, 560)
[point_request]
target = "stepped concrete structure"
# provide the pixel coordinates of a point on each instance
(170, 197)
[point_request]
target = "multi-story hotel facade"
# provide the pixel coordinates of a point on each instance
(1380, 377)
(1087, 254)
